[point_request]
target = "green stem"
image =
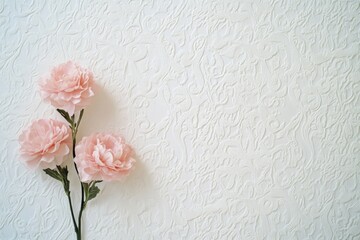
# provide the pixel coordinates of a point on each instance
(78, 230)
(70, 203)
(72, 214)
(81, 208)
(75, 127)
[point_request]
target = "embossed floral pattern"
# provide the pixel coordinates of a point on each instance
(244, 115)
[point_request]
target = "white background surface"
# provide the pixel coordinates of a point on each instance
(244, 117)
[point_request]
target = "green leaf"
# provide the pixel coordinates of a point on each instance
(53, 173)
(93, 191)
(64, 173)
(80, 117)
(65, 115)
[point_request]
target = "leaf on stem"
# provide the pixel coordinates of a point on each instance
(53, 173)
(64, 173)
(65, 115)
(91, 190)
(80, 117)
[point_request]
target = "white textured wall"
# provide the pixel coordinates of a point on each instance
(245, 117)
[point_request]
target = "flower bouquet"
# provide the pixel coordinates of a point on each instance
(46, 142)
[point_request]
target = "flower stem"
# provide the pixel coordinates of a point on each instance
(78, 230)
(72, 213)
(67, 191)
(81, 208)
(75, 127)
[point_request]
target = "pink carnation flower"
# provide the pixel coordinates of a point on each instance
(45, 143)
(68, 87)
(103, 157)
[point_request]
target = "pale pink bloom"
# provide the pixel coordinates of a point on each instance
(68, 87)
(103, 157)
(45, 143)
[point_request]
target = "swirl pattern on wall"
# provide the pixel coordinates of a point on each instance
(244, 115)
